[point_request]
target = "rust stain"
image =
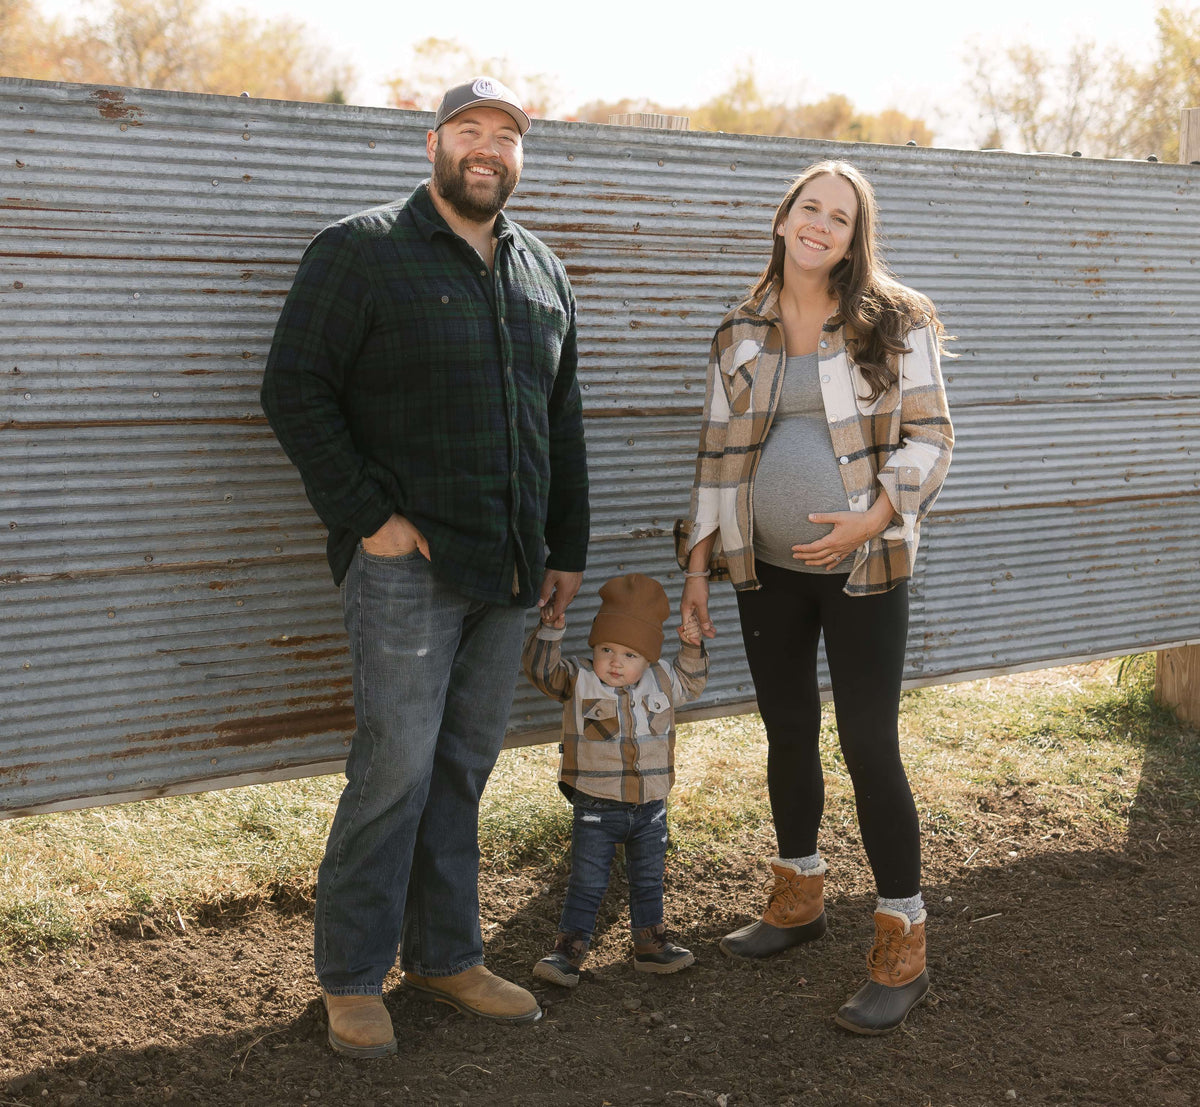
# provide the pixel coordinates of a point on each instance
(15, 770)
(239, 733)
(79, 424)
(637, 412)
(287, 641)
(112, 106)
(317, 655)
(255, 732)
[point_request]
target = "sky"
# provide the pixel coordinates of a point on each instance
(879, 53)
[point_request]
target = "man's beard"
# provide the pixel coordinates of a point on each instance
(478, 205)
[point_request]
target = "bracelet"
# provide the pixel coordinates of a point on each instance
(698, 573)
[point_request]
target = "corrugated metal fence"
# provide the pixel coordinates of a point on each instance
(168, 622)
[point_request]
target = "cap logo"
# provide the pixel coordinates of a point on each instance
(486, 88)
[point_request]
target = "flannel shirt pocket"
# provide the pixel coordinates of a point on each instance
(600, 720)
(657, 706)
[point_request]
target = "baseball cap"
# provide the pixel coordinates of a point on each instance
(482, 91)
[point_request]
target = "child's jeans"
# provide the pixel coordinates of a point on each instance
(599, 825)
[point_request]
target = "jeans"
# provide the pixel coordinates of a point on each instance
(434, 674)
(599, 825)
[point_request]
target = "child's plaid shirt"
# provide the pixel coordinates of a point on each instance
(617, 743)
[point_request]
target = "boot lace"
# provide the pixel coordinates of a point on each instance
(887, 951)
(782, 892)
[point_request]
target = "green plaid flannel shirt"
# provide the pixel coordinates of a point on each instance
(405, 377)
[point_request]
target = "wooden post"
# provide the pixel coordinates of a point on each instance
(1177, 672)
(652, 119)
(1189, 135)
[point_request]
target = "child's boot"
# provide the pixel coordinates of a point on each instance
(898, 980)
(562, 966)
(653, 951)
(795, 914)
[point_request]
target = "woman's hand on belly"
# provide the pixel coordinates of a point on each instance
(851, 529)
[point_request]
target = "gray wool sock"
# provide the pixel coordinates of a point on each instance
(806, 865)
(912, 906)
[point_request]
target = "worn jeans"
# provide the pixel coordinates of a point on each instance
(599, 825)
(434, 675)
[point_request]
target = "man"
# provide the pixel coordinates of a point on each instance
(423, 380)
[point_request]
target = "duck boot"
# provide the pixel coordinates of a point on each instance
(359, 1026)
(562, 966)
(795, 914)
(653, 951)
(898, 980)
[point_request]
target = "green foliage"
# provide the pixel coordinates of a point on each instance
(32, 927)
(1090, 100)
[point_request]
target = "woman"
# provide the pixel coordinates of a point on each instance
(825, 441)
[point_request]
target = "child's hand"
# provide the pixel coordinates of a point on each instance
(550, 619)
(690, 631)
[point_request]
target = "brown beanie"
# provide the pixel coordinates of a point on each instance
(633, 609)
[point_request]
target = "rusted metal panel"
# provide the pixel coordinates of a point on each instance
(168, 619)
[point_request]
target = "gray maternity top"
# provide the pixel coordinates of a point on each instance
(798, 471)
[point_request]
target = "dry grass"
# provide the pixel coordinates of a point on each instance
(1071, 745)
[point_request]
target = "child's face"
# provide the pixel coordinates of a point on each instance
(618, 665)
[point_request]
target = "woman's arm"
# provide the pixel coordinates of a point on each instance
(694, 619)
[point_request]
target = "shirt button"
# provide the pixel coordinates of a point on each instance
(854, 499)
(824, 344)
(445, 299)
(843, 461)
(825, 379)
(483, 272)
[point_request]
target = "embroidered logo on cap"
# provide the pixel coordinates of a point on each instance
(486, 87)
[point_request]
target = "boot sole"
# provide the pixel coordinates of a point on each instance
(791, 937)
(338, 1046)
(552, 975)
(458, 1005)
(655, 967)
(876, 1031)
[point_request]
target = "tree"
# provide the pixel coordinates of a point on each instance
(1156, 96)
(743, 108)
(33, 46)
(172, 44)
(439, 63)
(1094, 101)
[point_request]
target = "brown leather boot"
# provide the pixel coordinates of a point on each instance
(898, 980)
(476, 991)
(359, 1026)
(653, 951)
(795, 914)
(562, 966)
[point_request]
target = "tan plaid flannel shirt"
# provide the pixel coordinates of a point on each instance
(617, 743)
(900, 442)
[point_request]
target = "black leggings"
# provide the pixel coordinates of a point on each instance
(864, 645)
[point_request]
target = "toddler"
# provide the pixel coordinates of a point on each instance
(618, 763)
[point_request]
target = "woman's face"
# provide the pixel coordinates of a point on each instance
(819, 227)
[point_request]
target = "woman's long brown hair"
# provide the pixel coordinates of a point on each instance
(877, 310)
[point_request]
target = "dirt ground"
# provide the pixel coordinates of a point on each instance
(1064, 971)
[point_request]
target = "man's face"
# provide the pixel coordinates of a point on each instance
(477, 158)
